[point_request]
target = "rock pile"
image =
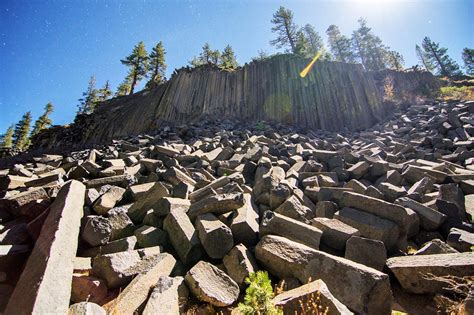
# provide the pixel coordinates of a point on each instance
(160, 223)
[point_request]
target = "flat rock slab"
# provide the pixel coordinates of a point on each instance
(45, 284)
(212, 285)
(168, 297)
(410, 270)
(289, 301)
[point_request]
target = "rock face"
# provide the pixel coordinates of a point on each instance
(305, 102)
(45, 284)
(411, 271)
(212, 285)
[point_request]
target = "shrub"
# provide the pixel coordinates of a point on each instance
(258, 296)
(457, 92)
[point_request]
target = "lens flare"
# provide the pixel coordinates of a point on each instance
(310, 65)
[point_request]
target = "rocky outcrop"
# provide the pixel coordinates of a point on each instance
(333, 96)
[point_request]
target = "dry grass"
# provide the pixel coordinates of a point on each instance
(457, 93)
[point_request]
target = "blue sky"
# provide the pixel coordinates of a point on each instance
(49, 49)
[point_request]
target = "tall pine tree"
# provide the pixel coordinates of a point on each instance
(429, 66)
(207, 56)
(228, 60)
(286, 29)
(439, 57)
(340, 45)
(89, 98)
(138, 63)
(7, 138)
(369, 48)
(21, 139)
(315, 42)
(157, 65)
(468, 59)
(43, 121)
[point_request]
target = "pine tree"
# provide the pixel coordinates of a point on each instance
(302, 45)
(468, 59)
(340, 45)
(228, 60)
(286, 30)
(21, 139)
(89, 98)
(444, 65)
(124, 87)
(43, 121)
(262, 55)
(395, 60)
(105, 92)
(138, 63)
(369, 48)
(7, 138)
(157, 65)
(207, 56)
(315, 42)
(429, 66)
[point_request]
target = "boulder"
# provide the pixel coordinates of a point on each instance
(166, 204)
(435, 246)
(139, 208)
(412, 271)
(216, 238)
(239, 263)
(293, 208)
(365, 251)
(149, 236)
(335, 232)
(97, 230)
(461, 240)
(86, 308)
(210, 284)
(216, 204)
(183, 237)
(430, 219)
(243, 223)
(108, 200)
(169, 296)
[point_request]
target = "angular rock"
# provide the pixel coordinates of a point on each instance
(430, 219)
(216, 238)
(293, 208)
(290, 301)
(139, 208)
(239, 263)
(137, 192)
(435, 246)
(365, 251)
(119, 268)
(120, 245)
(183, 237)
(461, 240)
(20, 204)
(243, 223)
(136, 292)
(326, 209)
(165, 204)
(216, 204)
(335, 232)
(148, 236)
(45, 284)
(168, 297)
(108, 200)
(285, 258)
(97, 230)
(175, 176)
(411, 271)
(276, 224)
(210, 284)
(370, 226)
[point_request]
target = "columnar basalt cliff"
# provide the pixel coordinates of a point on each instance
(333, 96)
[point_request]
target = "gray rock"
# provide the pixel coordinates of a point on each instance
(461, 240)
(169, 296)
(216, 238)
(210, 284)
(97, 230)
(434, 247)
(365, 251)
(430, 219)
(239, 263)
(86, 308)
(335, 232)
(148, 236)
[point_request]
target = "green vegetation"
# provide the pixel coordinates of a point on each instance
(340, 45)
(21, 134)
(6, 140)
(225, 60)
(437, 58)
(43, 121)
(468, 59)
(157, 65)
(457, 92)
(138, 63)
(258, 295)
